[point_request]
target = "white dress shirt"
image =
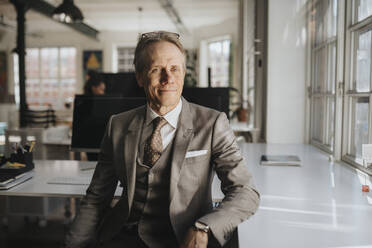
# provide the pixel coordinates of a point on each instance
(168, 131)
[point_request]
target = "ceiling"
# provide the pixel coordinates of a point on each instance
(123, 15)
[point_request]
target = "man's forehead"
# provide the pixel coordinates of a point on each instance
(164, 52)
(164, 47)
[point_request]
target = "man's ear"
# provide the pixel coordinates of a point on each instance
(139, 79)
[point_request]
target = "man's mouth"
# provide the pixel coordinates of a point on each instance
(167, 90)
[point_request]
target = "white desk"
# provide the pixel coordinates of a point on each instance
(244, 129)
(319, 204)
(44, 171)
(316, 205)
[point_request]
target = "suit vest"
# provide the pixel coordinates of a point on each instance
(150, 208)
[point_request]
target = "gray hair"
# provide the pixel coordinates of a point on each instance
(146, 39)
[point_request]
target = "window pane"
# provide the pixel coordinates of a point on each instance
(219, 61)
(364, 9)
(360, 109)
(331, 18)
(125, 59)
(32, 63)
(332, 68)
(68, 62)
(226, 49)
(49, 62)
(363, 70)
(318, 117)
(16, 78)
(320, 70)
(33, 91)
(331, 122)
(68, 88)
(319, 19)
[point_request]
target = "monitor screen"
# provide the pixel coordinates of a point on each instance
(91, 114)
(215, 98)
(122, 84)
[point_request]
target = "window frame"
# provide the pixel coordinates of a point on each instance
(327, 43)
(353, 31)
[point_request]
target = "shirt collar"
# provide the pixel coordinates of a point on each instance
(171, 117)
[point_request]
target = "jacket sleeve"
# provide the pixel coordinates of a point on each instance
(241, 199)
(97, 199)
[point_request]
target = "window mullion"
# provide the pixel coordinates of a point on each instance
(41, 93)
(59, 76)
(325, 99)
(370, 98)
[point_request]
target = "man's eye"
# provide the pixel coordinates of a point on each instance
(154, 70)
(174, 69)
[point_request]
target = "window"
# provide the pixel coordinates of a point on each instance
(125, 57)
(219, 62)
(323, 93)
(50, 76)
(359, 83)
(363, 9)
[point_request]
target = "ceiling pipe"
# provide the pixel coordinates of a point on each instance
(48, 10)
(174, 16)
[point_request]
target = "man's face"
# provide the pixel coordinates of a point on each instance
(163, 77)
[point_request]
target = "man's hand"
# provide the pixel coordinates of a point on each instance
(195, 239)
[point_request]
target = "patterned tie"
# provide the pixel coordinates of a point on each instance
(154, 145)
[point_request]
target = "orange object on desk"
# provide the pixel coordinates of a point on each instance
(365, 188)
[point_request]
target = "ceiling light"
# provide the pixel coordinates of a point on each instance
(68, 12)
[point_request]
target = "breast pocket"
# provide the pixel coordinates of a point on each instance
(197, 159)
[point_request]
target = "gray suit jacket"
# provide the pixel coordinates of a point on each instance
(199, 128)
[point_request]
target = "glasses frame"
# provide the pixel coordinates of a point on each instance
(159, 34)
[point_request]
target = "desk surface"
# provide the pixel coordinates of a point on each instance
(242, 127)
(319, 204)
(44, 171)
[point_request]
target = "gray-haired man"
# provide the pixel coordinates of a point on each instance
(165, 155)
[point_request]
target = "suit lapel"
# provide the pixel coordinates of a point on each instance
(184, 135)
(131, 141)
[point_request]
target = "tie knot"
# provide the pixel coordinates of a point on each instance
(159, 122)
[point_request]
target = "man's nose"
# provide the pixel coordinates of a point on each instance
(165, 77)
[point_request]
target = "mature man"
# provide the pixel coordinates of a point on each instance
(164, 155)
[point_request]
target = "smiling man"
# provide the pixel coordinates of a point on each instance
(165, 155)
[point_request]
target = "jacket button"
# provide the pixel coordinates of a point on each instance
(227, 236)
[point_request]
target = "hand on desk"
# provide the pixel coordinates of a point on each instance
(195, 239)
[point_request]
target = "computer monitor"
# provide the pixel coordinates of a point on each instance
(122, 84)
(91, 114)
(215, 98)
(125, 84)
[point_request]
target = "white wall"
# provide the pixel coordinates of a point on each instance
(286, 71)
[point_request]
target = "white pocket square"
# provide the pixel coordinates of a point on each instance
(191, 154)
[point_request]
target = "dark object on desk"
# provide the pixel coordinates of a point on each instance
(16, 169)
(8, 181)
(290, 160)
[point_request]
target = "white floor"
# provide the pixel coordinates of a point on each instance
(319, 204)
